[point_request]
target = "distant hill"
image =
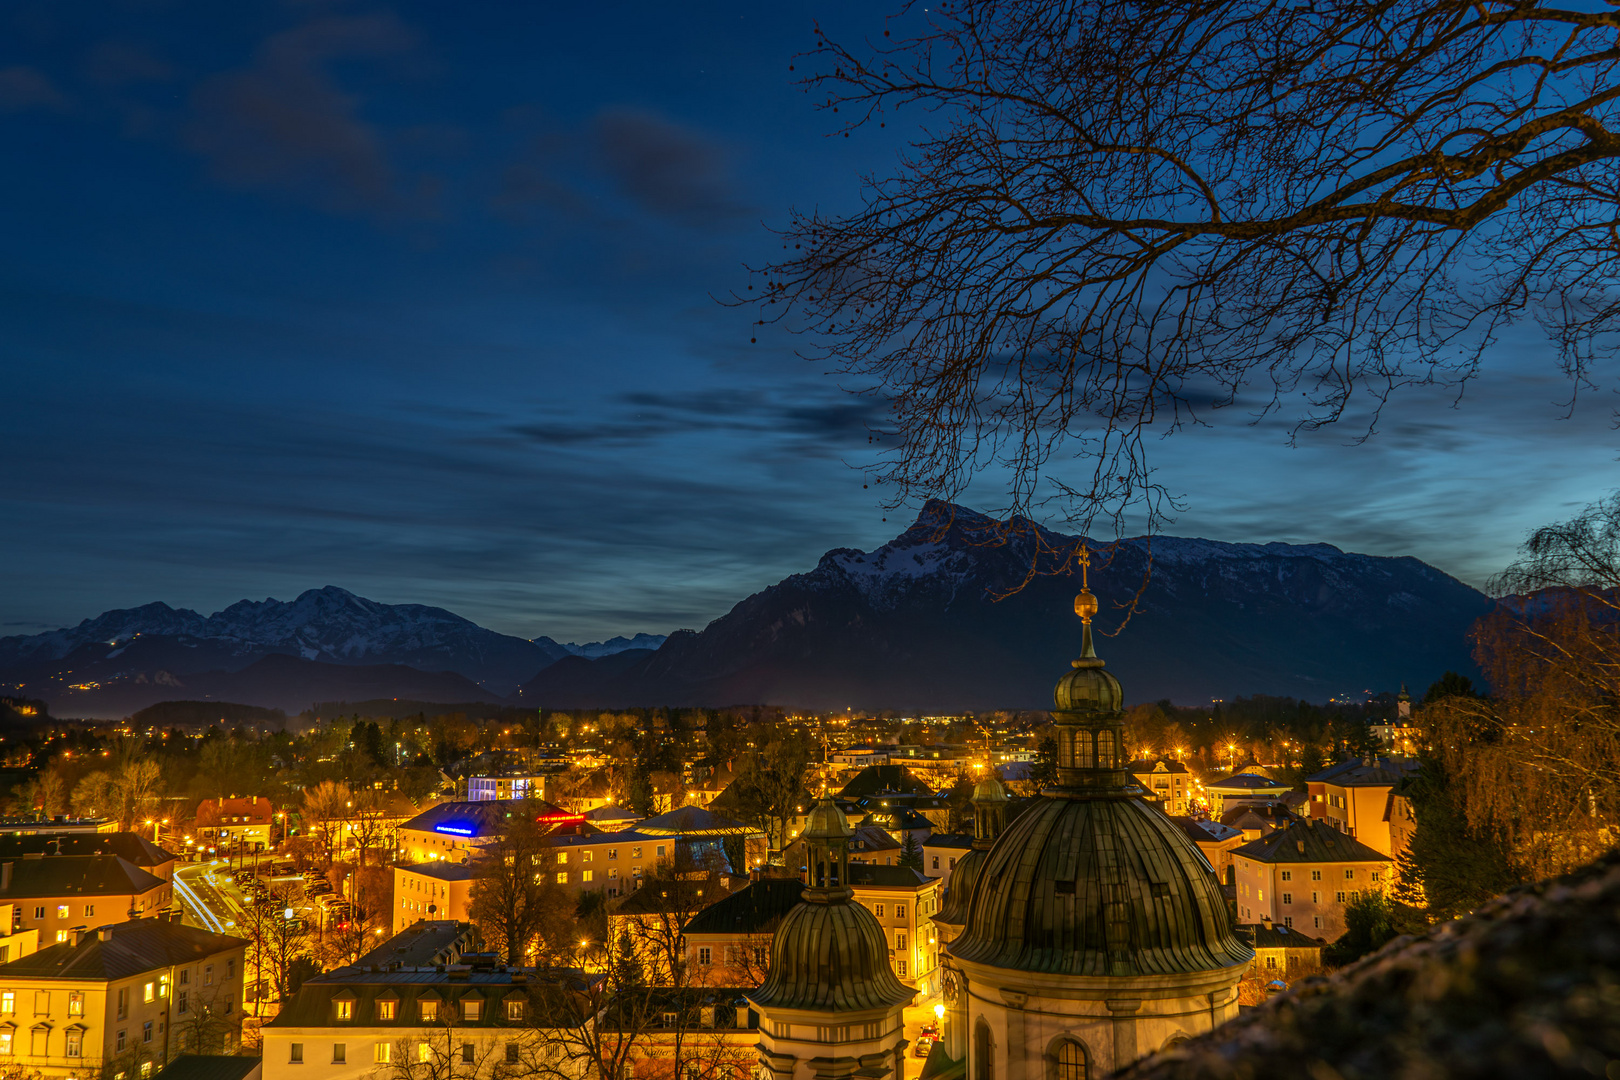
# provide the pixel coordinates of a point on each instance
(915, 626)
(194, 714)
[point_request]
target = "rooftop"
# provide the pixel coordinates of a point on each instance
(73, 875)
(211, 1067)
(482, 819)
(1265, 935)
(1370, 772)
(133, 847)
(439, 870)
(755, 909)
(122, 950)
(1308, 841)
(426, 943)
(880, 778)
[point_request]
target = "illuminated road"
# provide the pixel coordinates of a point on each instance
(212, 903)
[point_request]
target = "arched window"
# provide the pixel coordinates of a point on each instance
(1084, 758)
(1068, 1060)
(1105, 750)
(983, 1067)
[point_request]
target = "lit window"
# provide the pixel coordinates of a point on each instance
(345, 1010)
(149, 991)
(514, 1010)
(585, 856)
(61, 936)
(382, 1053)
(61, 911)
(424, 1052)
(5, 1042)
(75, 1004)
(472, 1009)
(430, 1010)
(562, 858)
(75, 1044)
(562, 877)
(385, 1009)
(146, 1069)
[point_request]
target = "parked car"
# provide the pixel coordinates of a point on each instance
(924, 1046)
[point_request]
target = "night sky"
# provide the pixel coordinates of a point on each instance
(418, 300)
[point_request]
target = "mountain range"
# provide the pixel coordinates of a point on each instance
(933, 621)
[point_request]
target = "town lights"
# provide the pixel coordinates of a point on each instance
(939, 1012)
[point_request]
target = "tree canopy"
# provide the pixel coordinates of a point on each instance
(1117, 217)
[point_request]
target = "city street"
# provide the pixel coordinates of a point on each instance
(210, 895)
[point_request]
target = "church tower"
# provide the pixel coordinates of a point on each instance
(1096, 932)
(831, 1007)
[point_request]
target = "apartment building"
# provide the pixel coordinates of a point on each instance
(904, 901)
(132, 847)
(121, 1001)
(614, 864)
(728, 943)
(1167, 783)
(1300, 877)
(505, 785)
(1216, 841)
(1353, 797)
(235, 821)
(56, 893)
(941, 853)
(15, 944)
(434, 891)
(423, 1003)
(456, 831)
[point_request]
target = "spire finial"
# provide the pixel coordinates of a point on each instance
(1085, 605)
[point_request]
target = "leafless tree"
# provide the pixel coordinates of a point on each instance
(515, 898)
(1117, 217)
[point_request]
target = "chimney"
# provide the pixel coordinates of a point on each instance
(76, 935)
(104, 933)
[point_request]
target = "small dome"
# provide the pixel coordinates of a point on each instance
(989, 790)
(959, 893)
(827, 822)
(1087, 687)
(830, 958)
(1098, 886)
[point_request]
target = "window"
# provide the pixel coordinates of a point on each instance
(467, 1052)
(39, 912)
(430, 1010)
(1339, 897)
(587, 875)
(1316, 922)
(660, 851)
(146, 1032)
(345, 1010)
(585, 856)
(61, 936)
(382, 1053)
(75, 1003)
(1271, 961)
(5, 1042)
(208, 975)
(877, 909)
(89, 911)
(613, 873)
(936, 862)
(1288, 875)
(900, 940)
(182, 1001)
(386, 1009)
(340, 1053)
(1288, 920)
(1316, 897)
(1316, 875)
(514, 1010)
(123, 1040)
(42, 1002)
(472, 1008)
(146, 1069)
(635, 853)
(149, 991)
(562, 858)
(185, 977)
(704, 956)
(511, 1053)
(613, 853)
(899, 911)
(295, 1054)
(424, 1052)
(900, 967)
(75, 1044)
(230, 968)
(983, 1066)
(1349, 875)
(1377, 875)
(1068, 1060)
(562, 877)
(1288, 897)
(61, 911)
(8, 1002)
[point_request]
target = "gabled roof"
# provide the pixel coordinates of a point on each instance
(1243, 782)
(1374, 772)
(887, 876)
(75, 875)
(1202, 831)
(755, 909)
(872, 838)
(1277, 936)
(1149, 765)
(122, 950)
(948, 840)
(438, 869)
(427, 942)
(610, 812)
(876, 778)
(134, 847)
(1309, 841)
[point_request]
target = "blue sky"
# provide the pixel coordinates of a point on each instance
(419, 300)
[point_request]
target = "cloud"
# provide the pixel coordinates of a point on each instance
(285, 122)
(665, 168)
(26, 88)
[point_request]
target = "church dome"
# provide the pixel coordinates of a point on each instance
(959, 892)
(1097, 886)
(830, 957)
(989, 790)
(826, 821)
(1087, 687)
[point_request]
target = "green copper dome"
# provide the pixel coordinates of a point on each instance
(830, 957)
(959, 893)
(989, 790)
(1097, 886)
